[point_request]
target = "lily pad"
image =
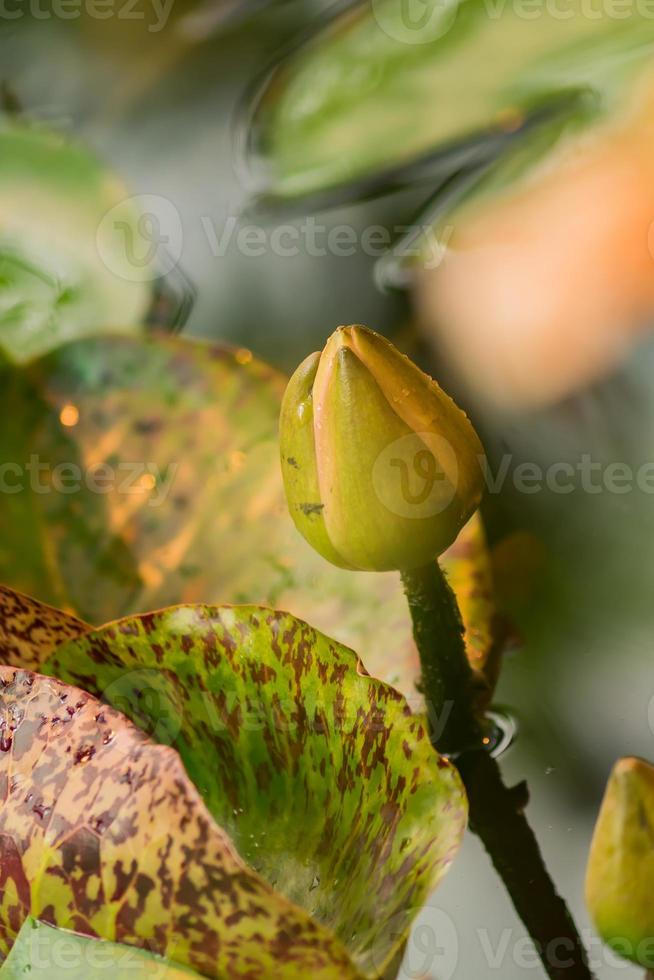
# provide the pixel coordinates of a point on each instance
(42, 952)
(30, 631)
(177, 496)
(65, 224)
(384, 85)
(321, 775)
(102, 832)
(324, 780)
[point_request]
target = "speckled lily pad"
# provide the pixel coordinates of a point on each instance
(323, 779)
(30, 631)
(321, 775)
(102, 832)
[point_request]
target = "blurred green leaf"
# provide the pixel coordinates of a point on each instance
(173, 461)
(432, 235)
(65, 271)
(324, 780)
(385, 84)
(42, 952)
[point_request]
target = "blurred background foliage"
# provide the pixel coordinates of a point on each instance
(529, 150)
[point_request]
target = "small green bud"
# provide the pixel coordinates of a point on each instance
(620, 873)
(381, 468)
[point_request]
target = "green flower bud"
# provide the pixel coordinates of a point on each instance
(381, 468)
(620, 873)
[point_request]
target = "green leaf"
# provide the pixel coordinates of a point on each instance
(201, 421)
(516, 165)
(30, 631)
(42, 952)
(64, 268)
(103, 833)
(324, 780)
(384, 85)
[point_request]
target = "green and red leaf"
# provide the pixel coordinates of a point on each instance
(30, 631)
(322, 776)
(103, 833)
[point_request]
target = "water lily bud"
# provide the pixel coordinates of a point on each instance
(381, 468)
(620, 874)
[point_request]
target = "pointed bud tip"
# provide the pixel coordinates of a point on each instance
(347, 336)
(632, 765)
(630, 775)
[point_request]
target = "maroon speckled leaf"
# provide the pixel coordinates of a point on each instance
(102, 832)
(30, 630)
(324, 779)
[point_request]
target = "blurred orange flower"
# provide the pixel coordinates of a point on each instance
(544, 286)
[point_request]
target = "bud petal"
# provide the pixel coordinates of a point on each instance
(620, 873)
(380, 466)
(298, 453)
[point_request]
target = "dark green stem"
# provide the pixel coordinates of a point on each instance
(496, 812)
(447, 678)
